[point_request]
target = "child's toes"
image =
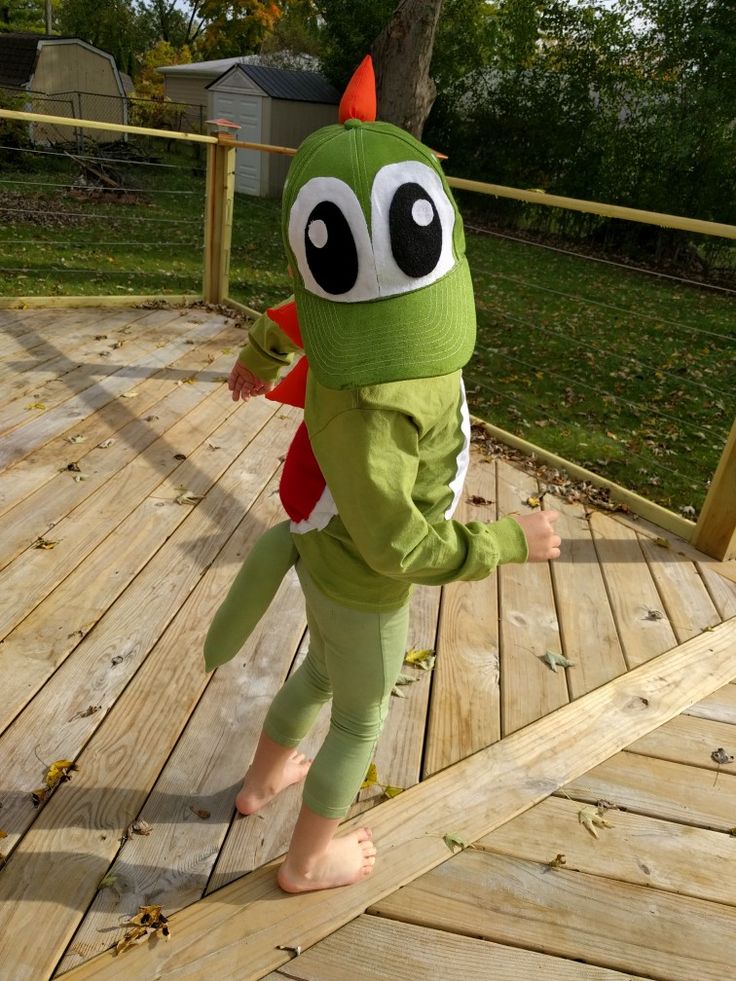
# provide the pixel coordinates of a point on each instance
(364, 834)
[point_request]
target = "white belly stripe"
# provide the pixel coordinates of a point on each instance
(463, 457)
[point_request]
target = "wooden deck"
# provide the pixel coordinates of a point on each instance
(131, 488)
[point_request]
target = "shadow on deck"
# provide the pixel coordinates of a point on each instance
(132, 487)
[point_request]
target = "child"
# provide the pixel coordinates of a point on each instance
(384, 311)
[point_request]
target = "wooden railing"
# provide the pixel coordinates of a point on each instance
(715, 531)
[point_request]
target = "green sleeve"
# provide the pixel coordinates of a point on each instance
(268, 349)
(369, 458)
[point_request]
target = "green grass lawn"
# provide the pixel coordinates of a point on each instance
(628, 374)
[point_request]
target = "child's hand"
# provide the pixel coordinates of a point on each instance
(540, 534)
(244, 384)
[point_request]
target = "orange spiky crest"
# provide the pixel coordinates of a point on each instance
(359, 98)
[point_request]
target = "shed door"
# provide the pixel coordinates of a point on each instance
(246, 110)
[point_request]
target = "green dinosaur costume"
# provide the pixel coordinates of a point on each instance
(384, 312)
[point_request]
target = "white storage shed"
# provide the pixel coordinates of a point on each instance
(271, 105)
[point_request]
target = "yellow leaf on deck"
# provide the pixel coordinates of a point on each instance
(371, 778)
(592, 818)
(59, 771)
(423, 659)
(36, 405)
(533, 502)
(454, 841)
(390, 791)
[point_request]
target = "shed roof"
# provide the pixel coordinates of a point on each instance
(19, 50)
(206, 69)
(287, 83)
(18, 57)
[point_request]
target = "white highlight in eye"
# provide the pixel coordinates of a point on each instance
(391, 279)
(317, 232)
(313, 192)
(422, 213)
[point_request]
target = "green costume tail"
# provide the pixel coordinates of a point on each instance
(250, 594)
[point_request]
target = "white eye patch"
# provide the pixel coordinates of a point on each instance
(412, 222)
(329, 237)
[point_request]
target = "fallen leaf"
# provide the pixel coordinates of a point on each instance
(558, 861)
(662, 542)
(200, 812)
(478, 500)
(3, 834)
(721, 757)
(140, 828)
(150, 419)
(404, 679)
(36, 405)
(391, 792)
(129, 395)
(371, 778)
(44, 543)
(454, 841)
(190, 380)
(105, 444)
(74, 467)
(552, 660)
(654, 615)
(76, 439)
(58, 772)
(148, 920)
(533, 502)
(39, 796)
(591, 819)
(397, 692)
(423, 659)
(188, 498)
(109, 881)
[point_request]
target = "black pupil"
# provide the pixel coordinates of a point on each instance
(333, 260)
(416, 245)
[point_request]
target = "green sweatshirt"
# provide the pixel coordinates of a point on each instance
(392, 456)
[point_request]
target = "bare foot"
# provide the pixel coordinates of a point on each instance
(346, 860)
(255, 794)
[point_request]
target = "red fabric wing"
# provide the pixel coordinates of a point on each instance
(292, 389)
(286, 317)
(302, 483)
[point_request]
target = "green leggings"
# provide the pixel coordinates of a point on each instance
(354, 658)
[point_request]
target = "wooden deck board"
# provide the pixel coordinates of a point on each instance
(372, 948)
(528, 621)
(465, 708)
(572, 914)
(239, 930)
(136, 576)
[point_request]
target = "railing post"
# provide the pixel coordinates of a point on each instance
(218, 224)
(715, 532)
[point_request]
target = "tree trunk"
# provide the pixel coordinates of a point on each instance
(401, 55)
(48, 17)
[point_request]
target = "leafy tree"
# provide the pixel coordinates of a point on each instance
(164, 20)
(227, 28)
(112, 26)
(23, 15)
